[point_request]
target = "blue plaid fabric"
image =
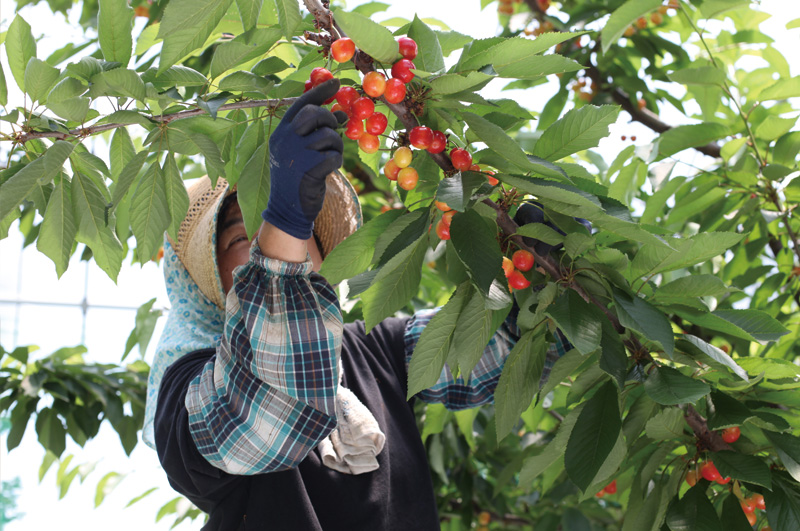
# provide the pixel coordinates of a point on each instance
(267, 398)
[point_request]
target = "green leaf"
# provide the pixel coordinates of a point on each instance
(758, 324)
(653, 259)
(534, 466)
(477, 248)
(594, 436)
(370, 37)
(176, 196)
(541, 232)
(703, 75)
(613, 359)
(121, 151)
(118, 82)
(692, 286)
(476, 326)
(712, 8)
(51, 431)
(114, 24)
(72, 109)
(429, 58)
(404, 231)
(430, 353)
(3, 88)
(733, 518)
(519, 380)
(57, 232)
(270, 65)
(105, 486)
(455, 83)
(579, 129)
(497, 139)
(728, 412)
(788, 449)
(578, 320)
(245, 48)
(395, 284)
(175, 76)
(665, 425)
(254, 185)
(39, 78)
(718, 355)
(536, 67)
(38, 173)
(20, 48)
(149, 213)
(147, 38)
(186, 26)
(693, 512)
(354, 255)
(249, 11)
(781, 90)
(90, 207)
(622, 17)
(457, 190)
(245, 82)
(669, 387)
(687, 136)
(509, 52)
(289, 16)
(783, 503)
(743, 467)
(127, 177)
(637, 314)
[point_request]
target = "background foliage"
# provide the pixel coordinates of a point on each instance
(680, 302)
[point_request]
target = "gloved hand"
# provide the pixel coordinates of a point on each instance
(303, 150)
(533, 212)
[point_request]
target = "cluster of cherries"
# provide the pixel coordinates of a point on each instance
(611, 488)
(656, 18)
(521, 262)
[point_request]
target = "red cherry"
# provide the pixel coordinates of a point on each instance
(369, 143)
(402, 70)
(491, 179)
(439, 142)
(723, 481)
(758, 500)
(731, 435)
(709, 471)
(611, 488)
(407, 178)
(691, 477)
(395, 91)
(343, 50)
(354, 130)
(442, 206)
(421, 137)
(408, 48)
(376, 123)
(346, 96)
(308, 86)
(517, 280)
(374, 84)
(363, 108)
(447, 217)
(751, 519)
(748, 505)
(461, 159)
(523, 260)
(508, 266)
(320, 75)
(442, 230)
(391, 170)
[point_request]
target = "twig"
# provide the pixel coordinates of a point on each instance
(708, 440)
(83, 132)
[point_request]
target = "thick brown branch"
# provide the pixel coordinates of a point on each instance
(83, 132)
(709, 440)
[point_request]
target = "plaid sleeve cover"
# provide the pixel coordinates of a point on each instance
(267, 398)
(457, 394)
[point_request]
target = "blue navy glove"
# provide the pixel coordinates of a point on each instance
(533, 212)
(303, 150)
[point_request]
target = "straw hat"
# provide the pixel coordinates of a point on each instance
(197, 237)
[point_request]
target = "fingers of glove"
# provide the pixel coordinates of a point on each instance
(323, 140)
(332, 161)
(341, 117)
(312, 117)
(529, 213)
(316, 96)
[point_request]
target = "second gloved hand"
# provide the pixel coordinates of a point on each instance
(303, 150)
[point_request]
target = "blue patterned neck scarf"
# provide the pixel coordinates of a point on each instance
(193, 323)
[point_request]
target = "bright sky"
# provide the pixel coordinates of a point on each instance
(29, 276)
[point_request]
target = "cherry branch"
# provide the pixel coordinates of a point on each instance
(709, 440)
(162, 119)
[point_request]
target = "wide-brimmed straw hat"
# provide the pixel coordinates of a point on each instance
(196, 246)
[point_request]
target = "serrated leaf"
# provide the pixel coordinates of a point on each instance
(653, 259)
(118, 82)
(579, 129)
(20, 48)
(186, 26)
(126, 177)
(728, 412)
(370, 37)
(475, 328)
(51, 431)
(536, 67)
(743, 467)
(578, 320)
(783, 503)
(121, 151)
(519, 380)
(430, 353)
(244, 48)
(147, 38)
(176, 196)
(270, 65)
(703, 75)
(613, 359)
(430, 57)
(105, 486)
(788, 449)
(513, 50)
(455, 83)
(72, 109)
(541, 232)
(718, 355)
(497, 139)
(394, 285)
(594, 436)
(457, 190)
(477, 248)
(175, 76)
(39, 78)
(687, 136)
(403, 231)
(665, 425)
(39, 172)
(248, 12)
(114, 24)
(668, 387)
(254, 185)
(781, 90)
(289, 16)
(693, 512)
(354, 255)
(622, 17)
(90, 209)
(149, 213)
(244, 82)
(57, 232)
(692, 286)
(637, 314)
(3, 88)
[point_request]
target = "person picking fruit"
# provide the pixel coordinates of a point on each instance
(266, 411)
